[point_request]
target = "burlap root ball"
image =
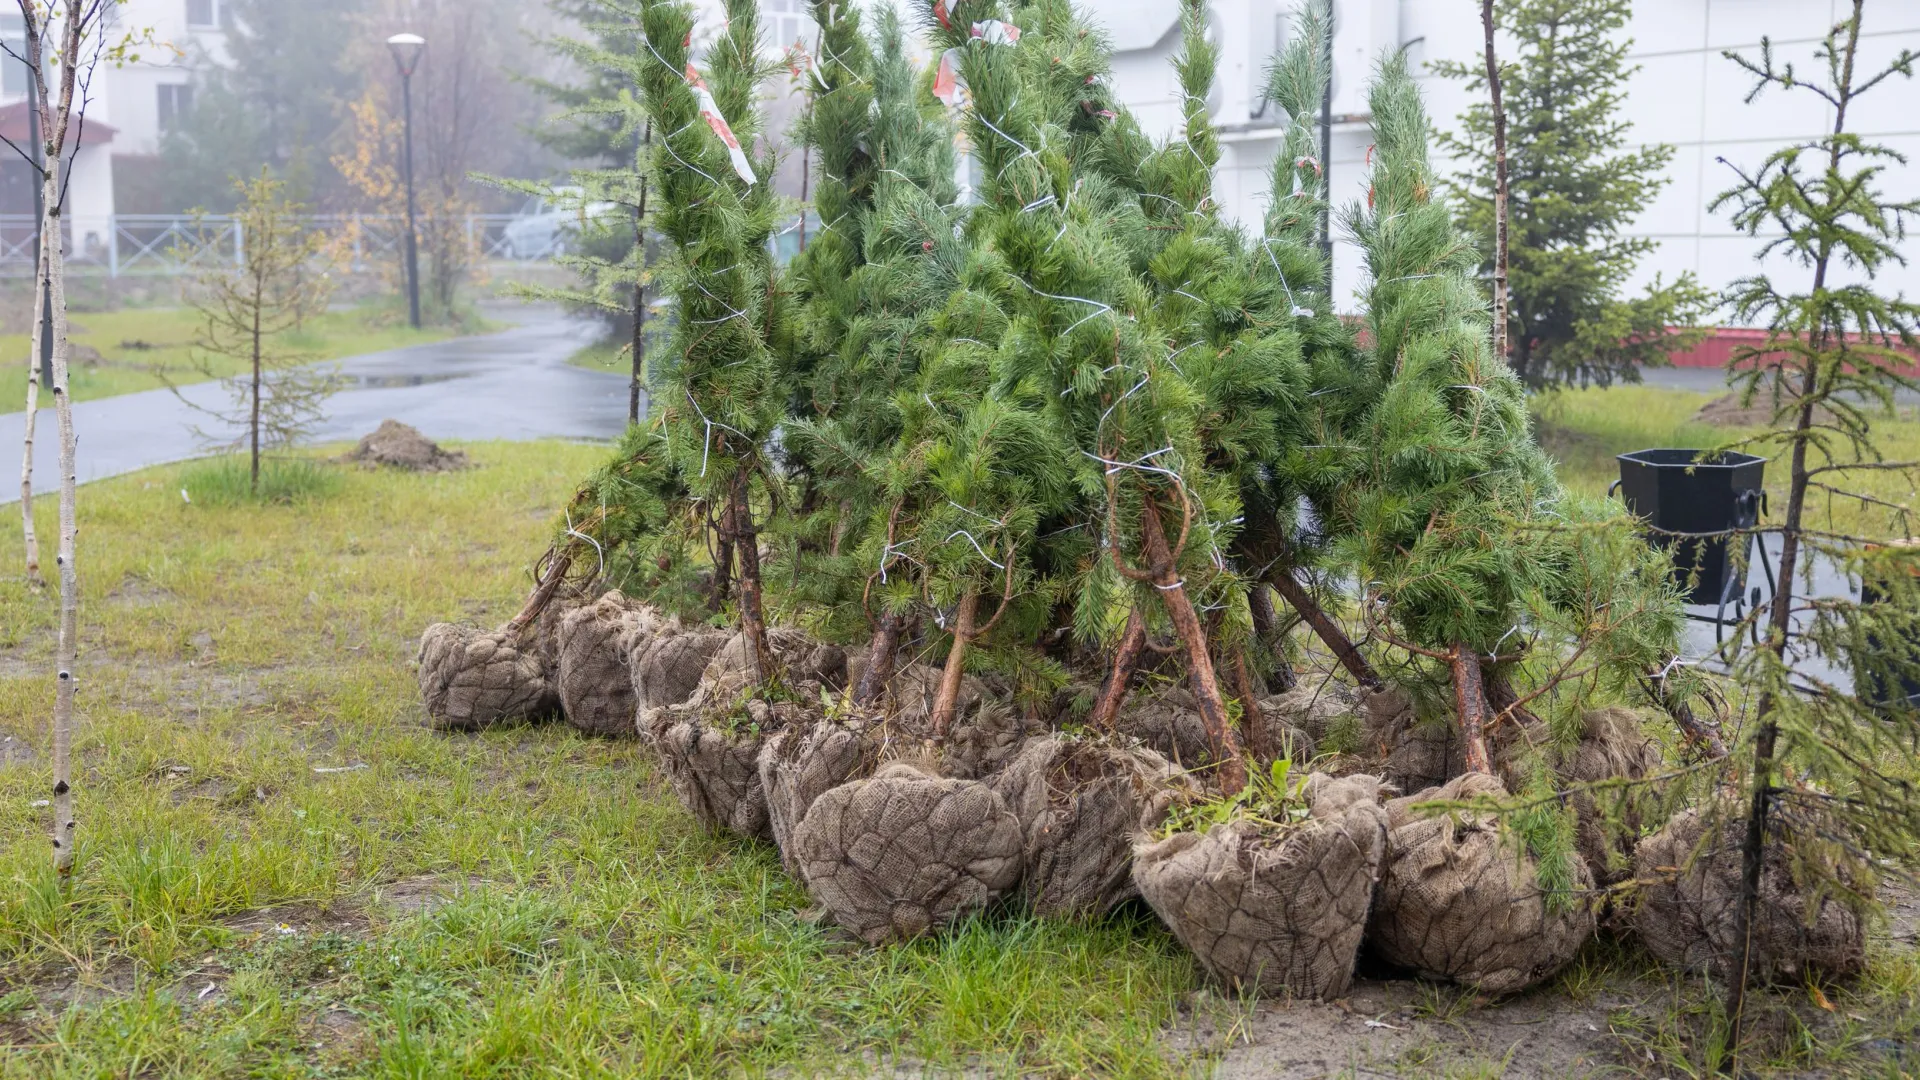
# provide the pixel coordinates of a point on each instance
(797, 658)
(1170, 724)
(472, 678)
(1613, 746)
(1281, 910)
(595, 688)
(907, 851)
(1082, 803)
(1687, 918)
(802, 762)
(712, 760)
(1315, 706)
(1460, 898)
(664, 666)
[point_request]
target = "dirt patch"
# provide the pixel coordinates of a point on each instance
(1727, 411)
(14, 751)
(1398, 1029)
(425, 893)
(136, 592)
(403, 447)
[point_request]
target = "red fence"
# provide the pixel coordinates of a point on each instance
(1721, 343)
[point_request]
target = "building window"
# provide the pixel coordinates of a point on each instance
(787, 21)
(203, 12)
(176, 101)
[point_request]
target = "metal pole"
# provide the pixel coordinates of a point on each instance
(413, 248)
(39, 224)
(1326, 157)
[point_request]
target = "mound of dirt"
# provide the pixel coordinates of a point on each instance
(472, 678)
(403, 447)
(1082, 802)
(594, 640)
(1279, 909)
(907, 851)
(1687, 918)
(1460, 897)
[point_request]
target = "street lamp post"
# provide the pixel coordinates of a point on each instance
(406, 49)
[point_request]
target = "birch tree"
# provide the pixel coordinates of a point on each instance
(63, 43)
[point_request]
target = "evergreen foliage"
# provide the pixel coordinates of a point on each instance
(1819, 773)
(1573, 188)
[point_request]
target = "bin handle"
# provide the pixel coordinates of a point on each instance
(1613, 487)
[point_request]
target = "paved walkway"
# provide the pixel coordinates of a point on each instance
(515, 384)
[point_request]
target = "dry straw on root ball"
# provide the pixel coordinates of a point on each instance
(1082, 803)
(1460, 897)
(472, 678)
(1688, 918)
(1280, 907)
(907, 851)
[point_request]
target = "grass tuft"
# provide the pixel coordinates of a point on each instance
(227, 481)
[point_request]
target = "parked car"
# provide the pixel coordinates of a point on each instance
(547, 224)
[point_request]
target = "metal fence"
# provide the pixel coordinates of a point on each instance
(165, 244)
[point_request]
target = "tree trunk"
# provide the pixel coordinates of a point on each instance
(880, 659)
(946, 703)
(1470, 697)
(253, 419)
(542, 594)
(722, 566)
(27, 422)
(746, 549)
(1206, 688)
(1253, 722)
(1325, 628)
(1780, 617)
(639, 294)
(1126, 661)
(1499, 189)
(66, 647)
(1266, 628)
(1702, 734)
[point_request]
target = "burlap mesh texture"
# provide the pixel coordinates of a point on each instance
(472, 678)
(1082, 804)
(1313, 706)
(1687, 918)
(907, 851)
(1613, 745)
(802, 762)
(710, 744)
(1168, 722)
(665, 665)
(595, 688)
(1276, 908)
(1460, 898)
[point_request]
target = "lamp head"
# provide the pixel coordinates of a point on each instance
(406, 49)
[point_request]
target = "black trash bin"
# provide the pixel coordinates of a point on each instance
(1687, 491)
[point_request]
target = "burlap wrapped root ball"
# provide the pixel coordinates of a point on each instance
(907, 851)
(1280, 909)
(1082, 804)
(1688, 917)
(594, 641)
(1170, 724)
(1460, 897)
(472, 678)
(1613, 746)
(802, 762)
(664, 666)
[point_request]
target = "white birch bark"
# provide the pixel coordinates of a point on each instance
(33, 409)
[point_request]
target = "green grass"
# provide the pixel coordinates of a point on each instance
(603, 356)
(580, 924)
(592, 929)
(139, 346)
(1585, 429)
(229, 481)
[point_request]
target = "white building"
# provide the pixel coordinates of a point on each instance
(1685, 94)
(129, 106)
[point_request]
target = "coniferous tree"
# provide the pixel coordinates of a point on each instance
(1836, 350)
(1573, 188)
(719, 379)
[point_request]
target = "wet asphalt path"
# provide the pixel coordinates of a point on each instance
(515, 384)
